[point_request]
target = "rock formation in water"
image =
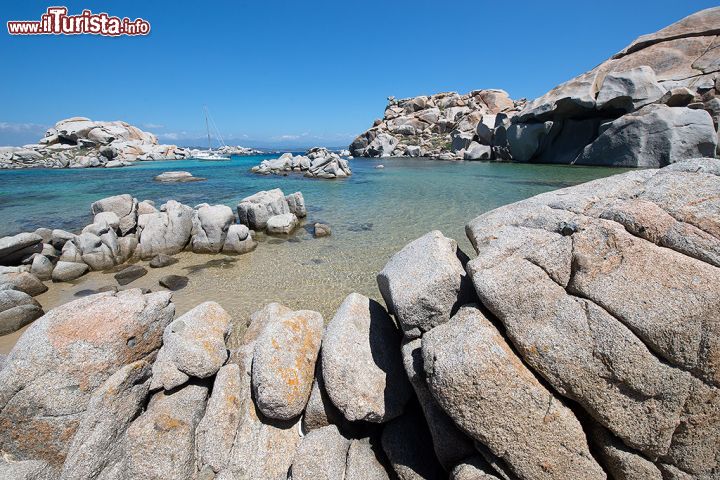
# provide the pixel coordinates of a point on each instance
(79, 142)
(317, 162)
(580, 343)
(654, 103)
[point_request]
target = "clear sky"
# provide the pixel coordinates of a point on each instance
(300, 73)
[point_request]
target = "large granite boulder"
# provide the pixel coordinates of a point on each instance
(477, 379)
(193, 346)
(424, 283)
(284, 363)
(614, 282)
(654, 136)
(361, 364)
(23, 281)
(124, 206)
(16, 248)
(63, 357)
(238, 240)
(210, 228)
(167, 231)
(255, 211)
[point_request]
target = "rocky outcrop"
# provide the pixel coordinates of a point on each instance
(447, 125)
(272, 211)
(317, 162)
(177, 177)
(79, 142)
(654, 103)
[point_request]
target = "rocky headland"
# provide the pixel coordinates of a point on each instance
(653, 103)
(579, 343)
(317, 162)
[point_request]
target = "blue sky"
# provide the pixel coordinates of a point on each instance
(300, 73)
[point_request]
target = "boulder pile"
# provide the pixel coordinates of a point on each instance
(123, 230)
(79, 142)
(317, 162)
(580, 343)
(654, 103)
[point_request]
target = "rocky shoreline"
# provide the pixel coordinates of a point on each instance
(654, 103)
(580, 342)
(317, 162)
(125, 231)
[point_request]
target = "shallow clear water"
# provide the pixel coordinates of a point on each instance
(372, 214)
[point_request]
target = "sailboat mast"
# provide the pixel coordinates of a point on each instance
(207, 127)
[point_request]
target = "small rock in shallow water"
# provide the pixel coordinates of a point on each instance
(177, 177)
(321, 230)
(162, 260)
(379, 166)
(174, 282)
(130, 274)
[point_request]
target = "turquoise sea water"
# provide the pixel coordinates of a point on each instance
(373, 214)
(405, 199)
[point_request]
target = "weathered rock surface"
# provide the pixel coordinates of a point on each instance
(193, 345)
(321, 454)
(17, 309)
(124, 206)
(24, 281)
(63, 357)
(477, 379)
(239, 240)
(216, 432)
(68, 271)
(282, 224)
(161, 260)
(365, 460)
(321, 230)
(14, 249)
(255, 211)
(474, 468)
(361, 363)
(284, 363)
(320, 411)
(210, 227)
(177, 177)
(174, 282)
(167, 231)
(130, 274)
(424, 283)
(110, 410)
(611, 283)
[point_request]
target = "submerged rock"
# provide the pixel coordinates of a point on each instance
(321, 230)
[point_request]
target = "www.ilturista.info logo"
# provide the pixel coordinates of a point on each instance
(56, 21)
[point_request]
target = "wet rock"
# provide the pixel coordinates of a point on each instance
(15, 248)
(422, 283)
(361, 363)
(284, 363)
(210, 228)
(239, 240)
(216, 432)
(477, 379)
(68, 271)
(408, 446)
(110, 410)
(174, 282)
(130, 274)
(63, 357)
(255, 211)
(23, 281)
(282, 224)
(162, 260)
(167, 231)
(161, 442)
(17, 309)
(321, 230)
(321, 455)
(193, 344)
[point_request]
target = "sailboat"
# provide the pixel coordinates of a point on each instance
(209, 155)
